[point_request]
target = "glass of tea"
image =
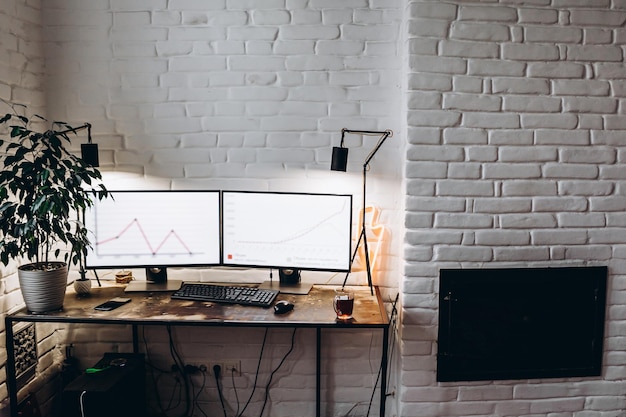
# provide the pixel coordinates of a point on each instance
(343, 304)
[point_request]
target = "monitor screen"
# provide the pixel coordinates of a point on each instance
(154, 228)
(287, 230)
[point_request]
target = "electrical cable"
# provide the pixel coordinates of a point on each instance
(256, 377)
(195, 398)
(217, 370)
(82, 403)
(232, 378)
(269, 382)
(181, 369)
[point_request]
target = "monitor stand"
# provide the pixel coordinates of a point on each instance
(156, 280)
(300, 288)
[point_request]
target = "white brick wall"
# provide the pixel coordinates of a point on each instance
(512, 161)
(514, 142)
(231, 94)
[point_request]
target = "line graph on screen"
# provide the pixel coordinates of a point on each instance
(280, 229)
(155, 228)
(152, 249)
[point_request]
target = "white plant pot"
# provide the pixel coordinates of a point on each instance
(43, 291)
(82, 286)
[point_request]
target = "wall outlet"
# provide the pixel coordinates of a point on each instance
(227, 367)
(197, 368)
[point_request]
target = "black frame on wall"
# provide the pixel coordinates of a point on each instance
(521, 323)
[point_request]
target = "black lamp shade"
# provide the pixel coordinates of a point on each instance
(339, 161)
(89, 153)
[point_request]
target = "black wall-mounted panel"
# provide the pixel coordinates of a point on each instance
(520, 323)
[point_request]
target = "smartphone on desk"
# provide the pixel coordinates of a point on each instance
(112, 304)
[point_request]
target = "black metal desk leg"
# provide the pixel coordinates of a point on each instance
(383, 377)
(318, 374)
(135, 339)
(11, 378)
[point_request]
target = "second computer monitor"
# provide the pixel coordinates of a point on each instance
(287, 230)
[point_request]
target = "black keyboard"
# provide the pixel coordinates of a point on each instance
(232, 294)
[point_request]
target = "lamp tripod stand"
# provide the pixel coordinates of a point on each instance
(339, 163)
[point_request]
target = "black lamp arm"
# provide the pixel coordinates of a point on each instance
(81, 127)
(384, 134)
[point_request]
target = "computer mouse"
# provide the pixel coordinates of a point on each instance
(283, 307)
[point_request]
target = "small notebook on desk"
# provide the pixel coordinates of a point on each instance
(148, 286)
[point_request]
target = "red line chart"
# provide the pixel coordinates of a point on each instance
(153, 249)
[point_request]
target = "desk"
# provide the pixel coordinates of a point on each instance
(312, 311)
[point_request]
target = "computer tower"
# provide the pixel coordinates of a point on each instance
(115, 386)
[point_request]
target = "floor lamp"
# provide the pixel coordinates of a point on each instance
(339, 162)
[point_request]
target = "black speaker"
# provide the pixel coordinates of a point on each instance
(289, 276)
(339, 161)
(89, 153)
(157, 275)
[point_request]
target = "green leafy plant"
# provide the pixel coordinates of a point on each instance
(41, 193)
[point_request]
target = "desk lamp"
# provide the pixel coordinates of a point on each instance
(339, 162)
(89, 154)
(89, 150)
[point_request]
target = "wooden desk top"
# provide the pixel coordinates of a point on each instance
(312, 310)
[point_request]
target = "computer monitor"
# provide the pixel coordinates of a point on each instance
(287, 231)
(155, 230)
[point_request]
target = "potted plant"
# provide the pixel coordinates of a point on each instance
(42, 198)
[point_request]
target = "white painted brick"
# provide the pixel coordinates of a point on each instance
(556, 70)
(521, 86)
(306, 17)
(597, 18)
(531, 104)
(497, 68)
(424, 81)
(486, 13)
(462, 221)
(598, 36)
(529, 188)
(479, 31)
(262, 47)
(471, 101)
(428, 27)
(469, 49)
(422, 47)
(464, 170)
(291, 47)
(570, 171)
(527, 154)
(512, 171)
(594, 156)
(552, 121)
(560, 34)
(590, 105)
(461, 188)
(594, 53)
(491, 120)
(530, 52)
(464, 136)
(510, 137)
(438, 65)
(592, 188)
